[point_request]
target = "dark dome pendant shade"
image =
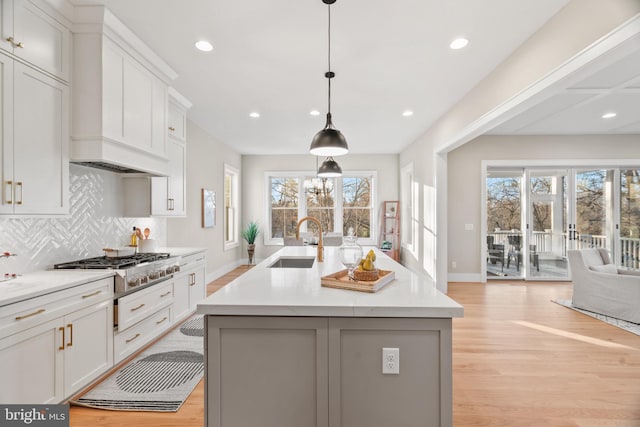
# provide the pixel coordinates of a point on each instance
(329, 169)
(329, 141)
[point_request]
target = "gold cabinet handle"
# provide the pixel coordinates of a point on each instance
(10, 192)
(161, 320)
(138, 307)
(91, 294)
(165, 294)
(172, 129)
(19, 184)
(70, 326)
(42, 310)
(14, 43)
(61, 329)
(193, 279)
(131, 339)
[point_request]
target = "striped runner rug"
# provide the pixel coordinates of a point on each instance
(159, 379)
(634, 328)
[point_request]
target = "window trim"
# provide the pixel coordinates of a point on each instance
(302, 203)
(235, 196)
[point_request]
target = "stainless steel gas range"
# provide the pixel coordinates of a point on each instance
(133, 272)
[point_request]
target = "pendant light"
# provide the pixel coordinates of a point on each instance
(329, 141)
(329, 169)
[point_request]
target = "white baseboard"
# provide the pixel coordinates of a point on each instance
(464, 277)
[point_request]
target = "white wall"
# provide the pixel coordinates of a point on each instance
(206, 157)
(465, 203)
(576, 29)
(253, 183)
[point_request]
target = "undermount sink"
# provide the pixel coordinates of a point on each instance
(293, 262)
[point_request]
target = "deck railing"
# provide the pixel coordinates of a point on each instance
(543, 241)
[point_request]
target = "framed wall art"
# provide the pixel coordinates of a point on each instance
(208, 208)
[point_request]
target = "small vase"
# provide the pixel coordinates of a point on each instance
(251, 248)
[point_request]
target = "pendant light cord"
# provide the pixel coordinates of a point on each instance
(329, 56)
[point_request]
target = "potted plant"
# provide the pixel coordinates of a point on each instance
(249, 234)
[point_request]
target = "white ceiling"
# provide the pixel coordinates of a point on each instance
(270, 57)
(609, 84)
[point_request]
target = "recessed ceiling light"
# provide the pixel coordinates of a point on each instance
(407, 113)
(314, 112)
(254, 114)
(610, 115)
(459, 43)
(204, 46)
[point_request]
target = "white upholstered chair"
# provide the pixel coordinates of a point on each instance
(601, 287)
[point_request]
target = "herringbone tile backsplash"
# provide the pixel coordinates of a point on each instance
(95, 222)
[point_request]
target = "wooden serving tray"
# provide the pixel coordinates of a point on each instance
(340, 280)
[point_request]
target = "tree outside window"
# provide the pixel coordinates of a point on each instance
(284, 206)
(356, 206)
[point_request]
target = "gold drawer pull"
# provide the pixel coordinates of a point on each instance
(161, 320)
(10, 192)
(61, 329)
(138, 307)
(171, 128)
(91, 294)
(19, 185)
(13, 42)
(131, 339)
(42, 310)
(70, 343)
(165, 294)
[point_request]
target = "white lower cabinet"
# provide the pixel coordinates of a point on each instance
(189, 285)
(71, 345)
(89, 345)
(33, 365)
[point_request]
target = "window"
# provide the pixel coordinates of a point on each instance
(231, 197)
(338, 203)
(284, 206)
(357, 211)
(409, 212)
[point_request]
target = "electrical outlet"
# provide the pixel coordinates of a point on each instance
(391, 361)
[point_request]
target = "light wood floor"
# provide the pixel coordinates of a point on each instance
(518, 360)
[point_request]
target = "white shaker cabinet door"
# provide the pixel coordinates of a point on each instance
(40, 39)
(168, 195)
(89, 345)
(41, 143)
(6, 133)
(33, 365)
(197, 287)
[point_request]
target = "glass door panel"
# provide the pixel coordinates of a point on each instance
(504, 224)
(546, 250)
(630, 218)
(591, 209)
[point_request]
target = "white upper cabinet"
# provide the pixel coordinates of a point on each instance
(120, 96)
(177, 121)
(35, 140)
(31, 33)
(164, 196)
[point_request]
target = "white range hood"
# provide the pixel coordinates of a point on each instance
(119, 108)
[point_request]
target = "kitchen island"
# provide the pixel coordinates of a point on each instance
(281, 350)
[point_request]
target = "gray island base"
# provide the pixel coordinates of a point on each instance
(283, 351)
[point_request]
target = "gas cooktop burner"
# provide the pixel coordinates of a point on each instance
(103, 262)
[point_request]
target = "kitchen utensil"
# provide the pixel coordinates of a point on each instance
(147, 232)
(119, 252)
(139, 234)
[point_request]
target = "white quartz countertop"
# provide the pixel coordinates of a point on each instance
(264, 291)
(31, 285)
(182, 251)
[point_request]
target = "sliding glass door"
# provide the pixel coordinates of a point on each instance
(535, 215)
